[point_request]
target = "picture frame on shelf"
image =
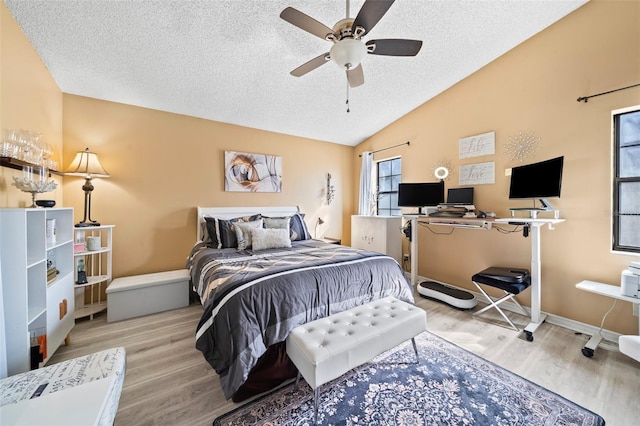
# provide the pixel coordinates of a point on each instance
(52, 271)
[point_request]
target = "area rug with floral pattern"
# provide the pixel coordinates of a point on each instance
(449, 386)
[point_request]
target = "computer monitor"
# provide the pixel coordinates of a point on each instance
(460, 196)
(420, 194)
(538, 180)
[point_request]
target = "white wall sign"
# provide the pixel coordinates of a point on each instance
(478, 145)
(478, 174)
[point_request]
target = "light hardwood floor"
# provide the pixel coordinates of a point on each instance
(168, 382)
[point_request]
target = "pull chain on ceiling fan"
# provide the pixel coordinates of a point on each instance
(348, 48)
(348, 108)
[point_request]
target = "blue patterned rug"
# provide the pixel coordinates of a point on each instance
(450, 386)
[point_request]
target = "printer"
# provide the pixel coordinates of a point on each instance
(630, 281)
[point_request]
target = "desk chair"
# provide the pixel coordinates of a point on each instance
(511, 281)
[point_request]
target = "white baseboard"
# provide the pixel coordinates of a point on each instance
(610, 341)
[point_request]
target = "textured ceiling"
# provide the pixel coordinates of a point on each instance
(229, 60)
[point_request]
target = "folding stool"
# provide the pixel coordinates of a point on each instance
(510, 280)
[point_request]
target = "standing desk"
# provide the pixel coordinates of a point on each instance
(537, 317)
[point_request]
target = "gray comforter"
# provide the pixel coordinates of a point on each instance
(253, 300)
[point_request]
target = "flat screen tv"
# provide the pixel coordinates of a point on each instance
(420, 194)
(538, 180)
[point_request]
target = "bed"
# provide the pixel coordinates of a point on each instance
(254, 294)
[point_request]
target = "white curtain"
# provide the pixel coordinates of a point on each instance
(366, 176)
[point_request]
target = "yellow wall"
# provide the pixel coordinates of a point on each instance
(534, 88)
(163, 165)
(29, 99)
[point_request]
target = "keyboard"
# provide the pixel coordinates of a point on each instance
(446, 214)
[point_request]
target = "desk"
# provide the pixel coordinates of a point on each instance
(537, 317)
(604, 290)
(469, 223)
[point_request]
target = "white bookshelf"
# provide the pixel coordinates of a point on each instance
(34, 305)
(91, 296)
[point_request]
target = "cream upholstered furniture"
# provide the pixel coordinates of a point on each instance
(138, 295)
(81, 391)
(630, 346)
(326, 348)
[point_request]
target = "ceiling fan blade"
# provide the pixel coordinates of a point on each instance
(310, 65)
(355, 76)
(305, 22)
(395, 47)
(370, 13)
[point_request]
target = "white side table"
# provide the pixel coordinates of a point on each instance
(604, 290)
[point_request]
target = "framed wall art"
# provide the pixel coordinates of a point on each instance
(477, 145)
(478, 174)
(246, 172)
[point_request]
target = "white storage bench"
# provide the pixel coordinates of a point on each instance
(130, 297)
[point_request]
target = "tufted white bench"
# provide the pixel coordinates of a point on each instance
(326, 348)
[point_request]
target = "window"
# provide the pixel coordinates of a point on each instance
(626, 181)
(389, 175)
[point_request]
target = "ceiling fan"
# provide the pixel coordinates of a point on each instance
(348, 49)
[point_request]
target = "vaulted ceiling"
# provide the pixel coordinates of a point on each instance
(229, 60)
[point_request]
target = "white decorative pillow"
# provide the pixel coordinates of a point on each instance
(270, 238)
(243, 233)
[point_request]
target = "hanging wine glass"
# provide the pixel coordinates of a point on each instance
(12, 149)
(23, 143)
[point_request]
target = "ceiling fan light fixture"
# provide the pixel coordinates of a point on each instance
(348, 49)
(348, 53)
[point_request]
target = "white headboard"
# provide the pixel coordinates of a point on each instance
(231, 212)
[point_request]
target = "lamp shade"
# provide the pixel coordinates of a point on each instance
(86, 164)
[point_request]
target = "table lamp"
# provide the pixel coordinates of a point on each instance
(87, 165)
